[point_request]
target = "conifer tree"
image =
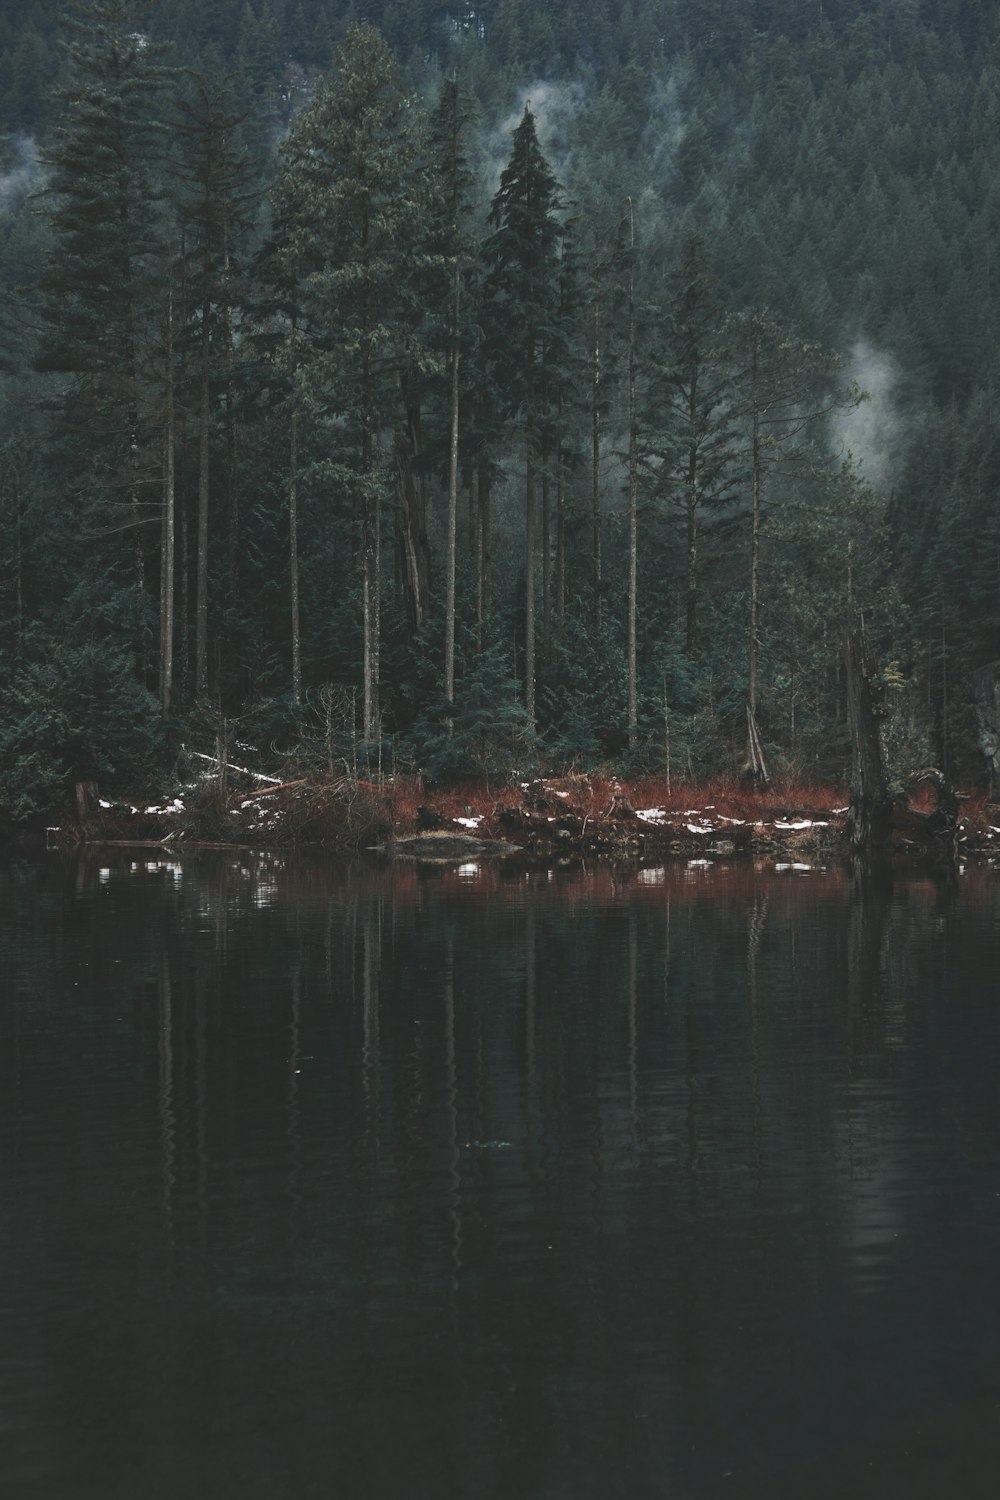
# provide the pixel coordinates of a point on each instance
(451, 246)
(522, 303)
(215, 211)
(96, 285)
(348, 199)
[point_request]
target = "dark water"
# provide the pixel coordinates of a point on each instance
(679, 1183)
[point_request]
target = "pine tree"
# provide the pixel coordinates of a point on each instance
(522, 302)
(348, 197)
(96, 287)
(215, 211)
(451, 249)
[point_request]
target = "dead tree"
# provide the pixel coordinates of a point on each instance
(869, 819)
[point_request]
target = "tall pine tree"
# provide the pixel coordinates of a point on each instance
(522, 305)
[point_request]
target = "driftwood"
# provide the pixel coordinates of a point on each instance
(269, 791)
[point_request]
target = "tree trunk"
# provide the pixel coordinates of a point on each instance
(595, 468)
(201, 580)
(546, 555)
(869, 818)
(633, 486)
(529, 568)
(756, 459)
(755, 756)
(449, 605)
(482, 553)
(293, 550)
(692, 499)
(411, 528)
(560, 582)
(168, 522)
(232, 490)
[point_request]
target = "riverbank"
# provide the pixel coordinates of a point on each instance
(546, 818)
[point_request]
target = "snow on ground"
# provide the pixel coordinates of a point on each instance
(651, 814)
(468, 822)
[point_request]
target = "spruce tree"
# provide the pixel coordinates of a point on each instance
(522, 306)
(95, 290)
(348, 197)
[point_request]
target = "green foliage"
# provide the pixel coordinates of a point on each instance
(838, 169)
(75, 713)
(486, 732)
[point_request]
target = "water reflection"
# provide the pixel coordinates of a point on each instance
(568, 1182)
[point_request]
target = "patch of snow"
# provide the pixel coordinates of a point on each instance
(698, 827)
(101, 803)
(651, 814)
(468, 822)
(740, 822)
(840, 809)
(795, 827)
(562, 794)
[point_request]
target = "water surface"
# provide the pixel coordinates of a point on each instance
(475, 1182)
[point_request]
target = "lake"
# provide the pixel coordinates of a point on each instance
(477, 1181)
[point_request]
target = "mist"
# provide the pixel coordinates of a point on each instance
(556, 108)
(25, 173)
(874, 433)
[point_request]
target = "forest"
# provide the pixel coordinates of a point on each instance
(505, 387)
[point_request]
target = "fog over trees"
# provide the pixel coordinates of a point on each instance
(530, 380)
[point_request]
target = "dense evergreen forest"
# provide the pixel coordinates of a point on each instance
(516, 384)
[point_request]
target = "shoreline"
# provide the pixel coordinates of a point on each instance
(546, 818)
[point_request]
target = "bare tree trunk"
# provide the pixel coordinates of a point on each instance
(184, 603)
(633, 485)
(232, 490)
(560, 537)
(869, 818)
(168, 521)
(755, 752)
(293, 549)
(449, 606)
(546, 555)
(201, 578)
(482, 554)
(756, 459)
(413, 553)
(595, 489)
(529, 567)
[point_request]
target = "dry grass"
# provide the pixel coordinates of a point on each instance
(595, 794)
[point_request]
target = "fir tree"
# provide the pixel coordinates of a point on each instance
(522, 306)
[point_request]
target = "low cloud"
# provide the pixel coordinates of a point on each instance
(874, 433)
(20, 173)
